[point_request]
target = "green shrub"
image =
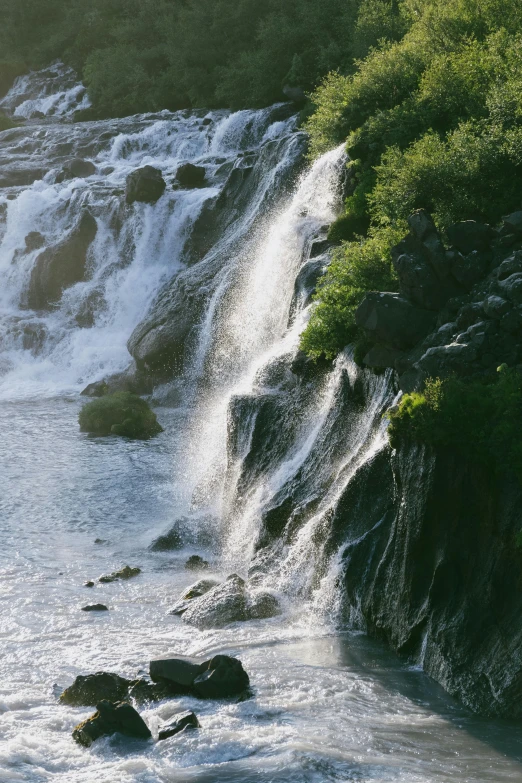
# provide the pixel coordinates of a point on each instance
(121, 413)
(357, 267)
(481, 420)
(6, 123)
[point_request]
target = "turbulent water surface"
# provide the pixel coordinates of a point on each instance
(327, 704)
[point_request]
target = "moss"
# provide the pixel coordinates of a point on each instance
(6, 123)
(121, 413)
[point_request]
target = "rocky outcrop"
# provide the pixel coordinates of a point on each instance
(87, 690)
(61, 266)
(110, 719)
(127, 572)
(218, 678)
(145, 184)
(220, 605)
(189, 176)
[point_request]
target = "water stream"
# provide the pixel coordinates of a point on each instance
(329, 704)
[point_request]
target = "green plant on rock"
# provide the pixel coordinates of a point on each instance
(479, 419)
(122, 413)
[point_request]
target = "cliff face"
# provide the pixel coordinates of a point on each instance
(434, 571)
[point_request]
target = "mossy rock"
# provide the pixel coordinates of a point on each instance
(122, 413)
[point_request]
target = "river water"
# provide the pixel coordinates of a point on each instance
(328, 704)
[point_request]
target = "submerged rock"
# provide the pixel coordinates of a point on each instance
(222, 678)
(95, 608)
(76, 168)
(145, 184)
(88, 690)
(127, 572)
(196, 563)
(189, 176)
(110, 719)
(89, 584)
(122, 413)
(262, 605)
(187, 720)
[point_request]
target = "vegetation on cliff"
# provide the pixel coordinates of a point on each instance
(122, 413)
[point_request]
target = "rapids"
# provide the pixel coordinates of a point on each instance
(329, 704)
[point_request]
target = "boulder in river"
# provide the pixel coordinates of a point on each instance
(222, 678)
(145, 184)
(111, 718)
(76, 168)
(182, 671)
(127, 572)
(220, 606)
(95, 608)
(88, 690)
(121, 413)
(190, 176)
(188, 720)
(62, 265)
(196, 563)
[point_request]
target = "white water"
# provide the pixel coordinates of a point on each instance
(328, 706)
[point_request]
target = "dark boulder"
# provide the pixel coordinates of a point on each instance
(111, 719)
(223, 677)
(34, 241)
(95, 608)
(181, 671)
(392, 320)
(142, 691)
(89, 584)
(96, 389)
(88, 690)
(187, 720)
(145, 184)
(189, 176)
(127, 572)
(510, 266)
(62, 265)
(381, 357)
(470, 269)
(196, 563)
(511, 288)
(77, 168)
(513, 222)
(470, 235)
(186, 531)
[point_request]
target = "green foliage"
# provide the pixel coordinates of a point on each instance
(479, 420)
(8, 73)
(357, 267)
(6, 123)
(121, 413)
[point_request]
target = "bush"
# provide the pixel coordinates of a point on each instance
(357, 267)
(481, 420)
(121, 413)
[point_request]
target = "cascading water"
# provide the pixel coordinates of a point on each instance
(251, 469)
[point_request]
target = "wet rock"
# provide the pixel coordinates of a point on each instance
(186, 531)
(110, 719)
(95, 608)
(189, 176)
(76, 168)
(308, 368)
(196, 563)
(222, 678)
(142, 691)
(62, 265)
(380, 357)
(469, 235)
(34, 241)
(186, 720)
(127, 572)
(96, 389)
(199, 588)
(262, 605)
(511, 288)
(89, 584)
(88, 690)
(513, 222)
(207, 121)
(495, 306)
(145, 185)
(392, 320)
(182, 671)
(224, 604)
(306, 282)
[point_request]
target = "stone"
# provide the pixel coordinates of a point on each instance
(220, 606)
(196, 563)
(381, 356)
(443, 360)
(60, 266)
(390, 319)
(495, 306)
(470, 269)
(469, 235)
(168, 542)
(510, 265)
(88, 690)
(223, 677)
(207, 121)
(96, 389)
(111, 718)
(189, 176)
(95, 608)
(421, 225)
(512, 321)
(34, 241)
(319, 248)
(181, 670)
(89, 584)
(513, 222)
(143, 691)
(199, 588)
(186, 720)
(127, 572)
(145, 185)
(77, 168)
(511, 288)
(262, 605)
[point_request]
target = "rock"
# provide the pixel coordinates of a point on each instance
(447, 359)
(62, 265)
(262, 605)
(380, 357)
(510, 265)
(511, 288)
(495, 306)
(127, 572)
(142, 691)
(196, 563)
(222, 678)
(207, 121)
(187, 720)
(111, 719)
(76, 168)
(308, 368)
(470, 235)
(512, 321)
(189, 176)
(89, 584)
(34, 241)
(88, 690)
(294, 94)
(182, 671)
(319, 248)
(122, 413)
(470, 269)
(96, 389)
(421, 225)
(95, 608)
(145, 185)
(390, 319)
(186, 531)
(220, 606)
(199, 588)
(513, 222)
